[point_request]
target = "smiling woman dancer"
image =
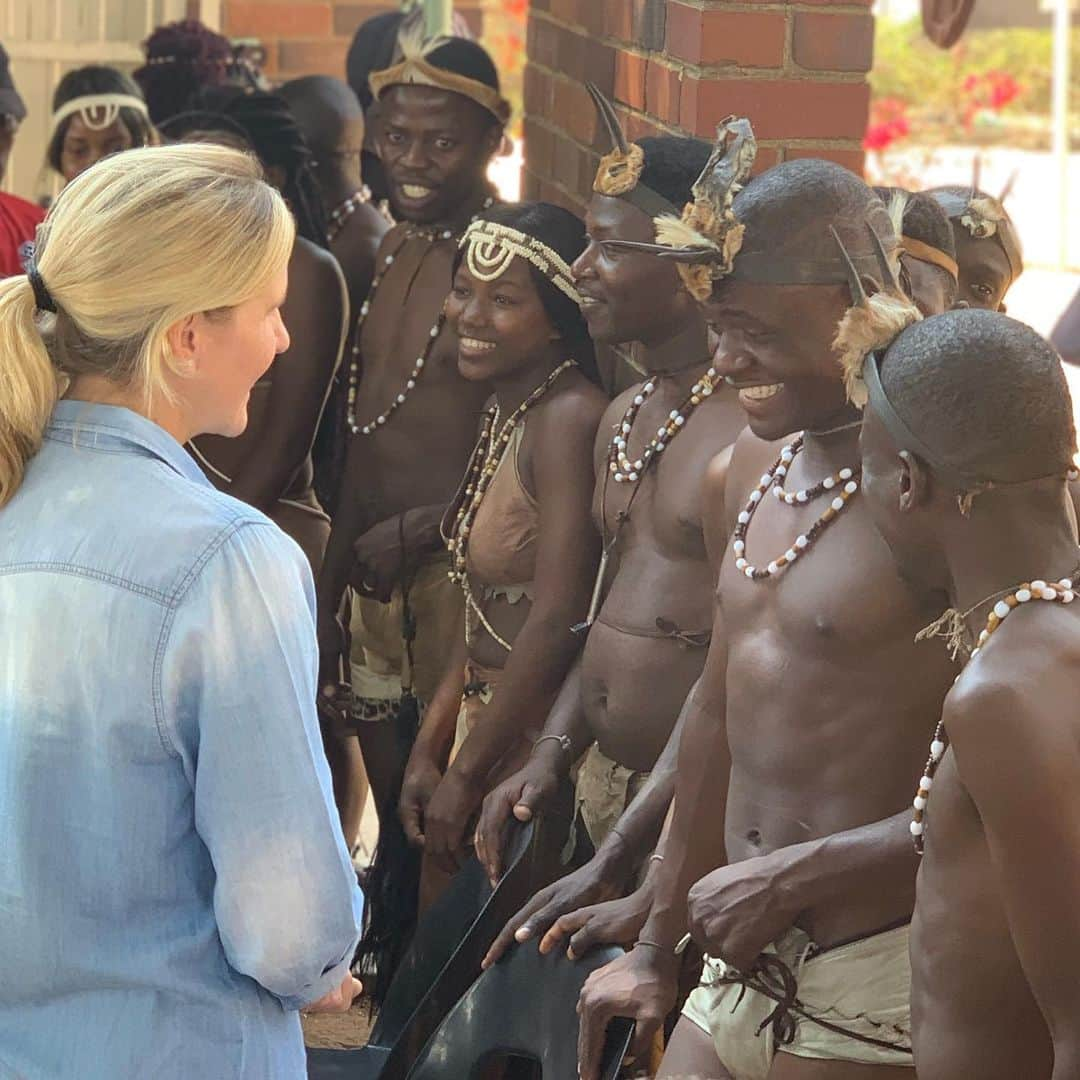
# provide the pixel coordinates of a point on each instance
(174, 884)
(522, 543)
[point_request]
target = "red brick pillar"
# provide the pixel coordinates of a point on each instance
(797, 68)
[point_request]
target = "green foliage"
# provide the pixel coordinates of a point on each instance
(907, 66)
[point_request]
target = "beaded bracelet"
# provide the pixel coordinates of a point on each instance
(562, 740)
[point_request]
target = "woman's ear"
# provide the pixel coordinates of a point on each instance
(182, 341)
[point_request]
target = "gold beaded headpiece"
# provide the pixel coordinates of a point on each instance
(490, 247)
(414, 68)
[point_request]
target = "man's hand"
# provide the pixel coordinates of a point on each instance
(737, 910)
(339, 1000)
(613, 922)
(378, 561)
(422, 777)
(333, 641)
(528, 791)
(452, 804)
(596, 881)
(642, 985)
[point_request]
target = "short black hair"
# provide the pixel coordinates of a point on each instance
(372, 49)
(97, 79)
(986, 392)
(788, 210)
(324, 108)
(564, 233)
(672, 164)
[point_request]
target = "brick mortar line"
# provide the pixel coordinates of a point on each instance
(732, 72)
(821, 9)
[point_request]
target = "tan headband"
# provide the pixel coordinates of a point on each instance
(109, 104)
(417, 71)
(929, 254)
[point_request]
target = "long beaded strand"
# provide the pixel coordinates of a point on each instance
(619, 464)
(431, 235)
(344, 210)
(1061, 593)
(483, 465)
(773, 479)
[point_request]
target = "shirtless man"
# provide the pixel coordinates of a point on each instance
(995, 943)
(987, 245)
(330, 117)
(578, 907)
(802, 734)
(413, 419)
(648, 640)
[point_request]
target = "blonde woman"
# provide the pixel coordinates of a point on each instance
(173, 883)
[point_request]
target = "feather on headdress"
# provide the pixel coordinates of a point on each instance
(414, 67)
(872, 322)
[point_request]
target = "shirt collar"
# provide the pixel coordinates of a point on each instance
(114, 428)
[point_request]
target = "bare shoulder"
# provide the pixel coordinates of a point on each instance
(1023, 683)
(577, 407)
(314, 267)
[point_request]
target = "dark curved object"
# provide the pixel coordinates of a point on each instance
(524, 1006)
(444, 957)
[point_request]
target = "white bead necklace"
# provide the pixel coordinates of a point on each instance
(845, 483)
(373, 425)
(625, 470)
(1061, 593)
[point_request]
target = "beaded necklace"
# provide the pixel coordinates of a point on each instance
(483, 465)
(1061, 593)
(341, 213)
(431, 235)
(619, 464)
(845, 483)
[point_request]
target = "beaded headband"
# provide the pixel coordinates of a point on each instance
(109, 104)
(490, 247)
(619, 173)
(415, 69)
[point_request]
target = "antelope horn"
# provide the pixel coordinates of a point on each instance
(976, 175)
(1006, 191)
(888, 271)
(611, 121)
(858, 293)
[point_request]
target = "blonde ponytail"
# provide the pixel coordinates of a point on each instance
(132, 246)
(29, 385)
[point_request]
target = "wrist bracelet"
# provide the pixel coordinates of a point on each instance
(562, 740)
(656, 857)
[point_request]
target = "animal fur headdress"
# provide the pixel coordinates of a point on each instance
(417, 63)
(873, 320)
(707, 236)
(984, 216)
(619, 173)
(918, 249)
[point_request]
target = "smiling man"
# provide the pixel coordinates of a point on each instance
(412, 418)
(801, 737)
(652, 615)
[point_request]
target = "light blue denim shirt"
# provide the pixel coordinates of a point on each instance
(173, 882)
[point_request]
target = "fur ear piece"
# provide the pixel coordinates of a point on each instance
(983, 216)
(864, 329)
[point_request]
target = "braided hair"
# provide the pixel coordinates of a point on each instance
(182, 58)
(278, 143)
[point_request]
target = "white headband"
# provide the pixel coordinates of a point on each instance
(110, 103)
(489, 247)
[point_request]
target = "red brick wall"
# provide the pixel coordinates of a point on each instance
(308, 37)
(795, 67)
